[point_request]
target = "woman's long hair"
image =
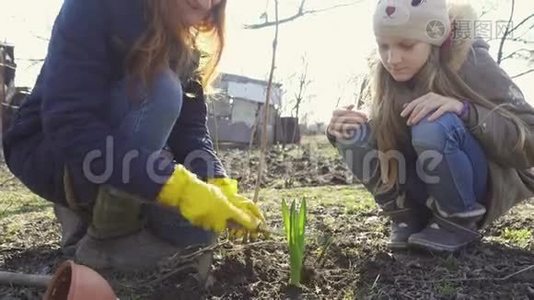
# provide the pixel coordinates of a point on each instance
(188, 51)
(387, 97)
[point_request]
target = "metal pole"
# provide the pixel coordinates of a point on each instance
(11, 278)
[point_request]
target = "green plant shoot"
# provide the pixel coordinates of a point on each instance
(295, 225)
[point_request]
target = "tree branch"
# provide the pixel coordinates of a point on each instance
(523, 73)
(303, 84)
(526, 42)
(521, 23)
(524, 32)
(505, 35)
(515, 52)
(266, 107)
(300, 13)
(301, 6)
(272, 23)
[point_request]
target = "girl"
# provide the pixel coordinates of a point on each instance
(448, 146)
(122, 80)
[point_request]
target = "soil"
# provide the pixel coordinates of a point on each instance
(288, 166)
(356, 265)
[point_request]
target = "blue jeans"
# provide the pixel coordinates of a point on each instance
(443, 161)
(148, 116)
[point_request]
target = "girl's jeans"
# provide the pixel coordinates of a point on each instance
(444, 162)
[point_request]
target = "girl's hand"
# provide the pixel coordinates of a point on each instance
(345, 121)
(431, 102)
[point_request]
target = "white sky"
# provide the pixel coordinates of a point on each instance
(335, 44)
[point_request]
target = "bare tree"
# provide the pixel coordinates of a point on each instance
(264, 139)
(303, 83)
(301, 12)
(508, 31)
(507, 35)
(523, 73)
(522, 53)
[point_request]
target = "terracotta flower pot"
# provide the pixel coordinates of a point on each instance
(77, 282)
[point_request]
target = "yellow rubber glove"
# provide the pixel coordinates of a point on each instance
(229, 188)
(203, 204)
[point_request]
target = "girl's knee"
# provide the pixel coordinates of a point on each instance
(166, 92)
(434, 135)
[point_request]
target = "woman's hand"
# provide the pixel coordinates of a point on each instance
(345, 121)
(206, 206)
(230, 190)
(431, 102)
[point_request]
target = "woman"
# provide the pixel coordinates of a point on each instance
(122, 80)
(448, 146)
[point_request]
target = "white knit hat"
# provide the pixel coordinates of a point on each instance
(423, 20)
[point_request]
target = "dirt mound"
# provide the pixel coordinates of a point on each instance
(287, 167)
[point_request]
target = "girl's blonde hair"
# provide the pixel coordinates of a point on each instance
(387, 97)
(190, 52)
